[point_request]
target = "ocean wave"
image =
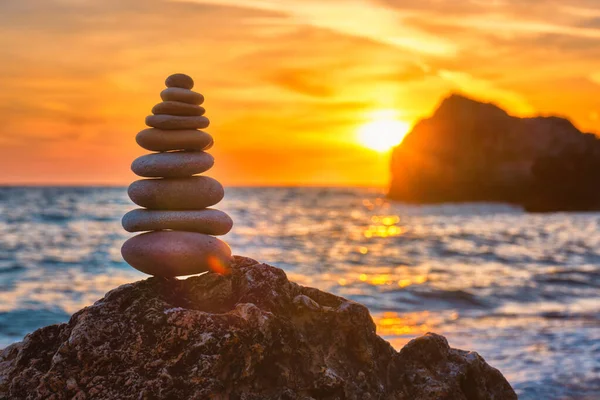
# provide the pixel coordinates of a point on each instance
(520, 289)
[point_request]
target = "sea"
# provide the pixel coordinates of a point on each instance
(521, 289)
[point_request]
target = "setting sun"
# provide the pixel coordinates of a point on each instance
(383, 132)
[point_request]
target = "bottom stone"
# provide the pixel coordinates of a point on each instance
(175, 253)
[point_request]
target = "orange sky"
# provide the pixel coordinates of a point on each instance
(288, 83)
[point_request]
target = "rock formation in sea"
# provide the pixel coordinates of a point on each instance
(179, 225)
(250, 334)
(473, 151)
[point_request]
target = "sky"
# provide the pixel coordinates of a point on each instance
(290, 85)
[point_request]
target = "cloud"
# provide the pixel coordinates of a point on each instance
(302, 81)
(357, 18)
(506, 18)
(484, 90)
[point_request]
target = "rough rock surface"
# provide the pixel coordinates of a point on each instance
(473, 151)
(249, 334)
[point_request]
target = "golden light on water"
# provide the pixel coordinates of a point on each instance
(417, 280)
(383, 231)
(385, 279)
(383, 131)
(401, 328)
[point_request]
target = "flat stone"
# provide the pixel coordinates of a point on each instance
(178, 108)
(182, 95)
(168, 140)
(180, 81)
(194, 193)
(178, 164)
(208, 221)
(174, 122)
(174, 253)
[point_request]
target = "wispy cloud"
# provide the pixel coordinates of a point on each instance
(485, 90)
(355, 18)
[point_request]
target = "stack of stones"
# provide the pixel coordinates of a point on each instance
(175, 216)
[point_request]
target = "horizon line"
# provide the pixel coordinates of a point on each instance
(241, 186)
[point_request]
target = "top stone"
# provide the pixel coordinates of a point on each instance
(180, 81)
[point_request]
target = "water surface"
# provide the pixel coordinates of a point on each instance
(521, 289)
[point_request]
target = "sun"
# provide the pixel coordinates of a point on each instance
(383, 132)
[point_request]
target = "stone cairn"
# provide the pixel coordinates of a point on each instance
(175, 216)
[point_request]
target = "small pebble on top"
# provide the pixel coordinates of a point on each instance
(180, 81)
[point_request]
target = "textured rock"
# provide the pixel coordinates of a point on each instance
(473, 151)
(170, 122)
(250, 335)
(182, 95)
(173, 253)
(176, 164)
(194, 193)
(179, 81)
(158, 140)
(208, 221)
(178, 108)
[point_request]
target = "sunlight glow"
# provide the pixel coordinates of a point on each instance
(383, 132)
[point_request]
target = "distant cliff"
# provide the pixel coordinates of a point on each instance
(472, 151)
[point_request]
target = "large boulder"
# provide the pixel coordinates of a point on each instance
(473, 151)
(250, 334)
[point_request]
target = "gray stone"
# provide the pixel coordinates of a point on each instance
(166, 140)
(178, 108)
(208, 221)
(182, 95)
(174, 253)
(178, 164)
(174, 122)
(194, 193)
(180, 81)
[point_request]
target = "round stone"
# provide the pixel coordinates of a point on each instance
(182, 95)
(174, 253)
(208, 221)
(194, 193)
(178, 164)
(163, 140)
(174, 122)
(180, 81)
(178, 108)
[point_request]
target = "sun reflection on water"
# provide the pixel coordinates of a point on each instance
(384, 226)
(399, 329)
